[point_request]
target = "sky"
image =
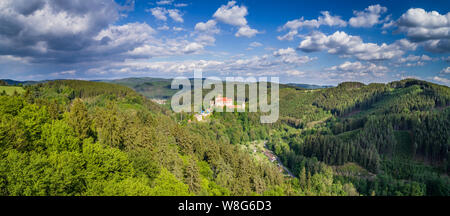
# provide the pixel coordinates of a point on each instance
(313, 42)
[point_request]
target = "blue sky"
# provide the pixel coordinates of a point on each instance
(319, 42)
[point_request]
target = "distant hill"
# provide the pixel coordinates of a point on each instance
(161, 88)
(147, 86)
(309, 86)
(15, 82)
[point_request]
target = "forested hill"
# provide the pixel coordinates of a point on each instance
(92, 138)
(399, 132)
(161, 88)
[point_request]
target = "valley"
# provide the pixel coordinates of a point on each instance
(353, 139)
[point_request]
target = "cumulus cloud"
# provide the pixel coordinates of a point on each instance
(234, 15)
(255, 44)
(208, 27)
(80, 31)
(162, 13)
(431, 29)
(145, 68)
(421, 25)
(205, 39)
(295, 73)
(289, 36)
(180, 5)
(175, 15)
(177, 28)
(246, 31)
(438, 45)
(164, 2)
(192, 47)
(413, 60)
(49, 30)
(163, 28)
(64, 73)
(159, 13)
(205, 32)
(325, 19)
(345, 45)
(352, 70)
(289, 56)
(369, 17)
(441, 80)
(446, 70)
(236, 66)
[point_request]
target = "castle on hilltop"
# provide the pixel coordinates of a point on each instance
(218, 102)
(221, 102)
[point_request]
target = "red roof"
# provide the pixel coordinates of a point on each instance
(224, 99)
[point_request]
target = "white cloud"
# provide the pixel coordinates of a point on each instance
(177, 28)
(283, 52)
(209, 27)
(10, 58)
(446, 70)
(205, 32)
(138, 40)
(193, 47)
(345, 45)
(164, 2)
(441, 80)
(54, 31)
(431, 29)
(414, 58)
(65, 73)
(236, 66)
(40, 20)
(159, 13)
(180, 5)
(325, 19)
(356, 69)
(163, 28)
(126, 34)
(205, 39)
(246, 31)
(289, 56)
(420, 25)
(289, 36)
(234, 15)
(255, 44)
(175, 15)
(162, 13)
(369, 17)
(295, 73)
(388, 24)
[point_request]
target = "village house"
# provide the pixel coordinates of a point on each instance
(159, 101)
(271, 157)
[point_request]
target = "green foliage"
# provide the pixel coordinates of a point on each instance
(89, 138)
(11, 90)
(166, 184)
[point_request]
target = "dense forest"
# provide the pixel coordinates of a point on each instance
(94, 138)
(386, 139)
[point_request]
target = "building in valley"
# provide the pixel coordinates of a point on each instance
(221, 102)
